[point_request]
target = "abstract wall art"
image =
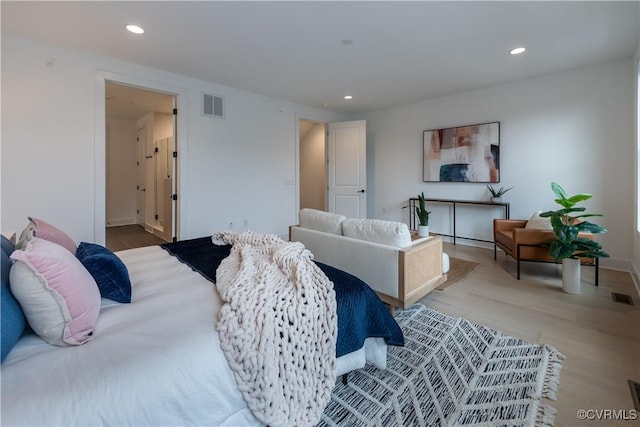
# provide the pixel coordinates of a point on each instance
(462, 154)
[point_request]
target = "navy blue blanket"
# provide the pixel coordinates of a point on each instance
(361, 314)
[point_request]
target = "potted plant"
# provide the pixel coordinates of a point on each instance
(569, 246)
(423, 216)
(496, 194)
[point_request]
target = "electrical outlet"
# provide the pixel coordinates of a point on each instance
(245, 224)
(230, 225)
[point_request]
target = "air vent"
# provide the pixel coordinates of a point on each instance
(622, 298)
(213, 105)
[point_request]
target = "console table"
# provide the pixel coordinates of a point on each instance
(413, 202)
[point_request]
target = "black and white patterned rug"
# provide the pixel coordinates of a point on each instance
(450, 372)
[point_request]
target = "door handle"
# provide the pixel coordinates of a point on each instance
(361, 191)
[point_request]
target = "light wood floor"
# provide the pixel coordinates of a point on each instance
(129, 237)
(599, 337)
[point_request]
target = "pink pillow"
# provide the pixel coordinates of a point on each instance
(59, 297)
(43, 230)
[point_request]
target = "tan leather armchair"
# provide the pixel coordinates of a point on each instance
(525, 244)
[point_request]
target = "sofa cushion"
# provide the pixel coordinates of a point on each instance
(321, 221)
(377, 230)
(536, 222)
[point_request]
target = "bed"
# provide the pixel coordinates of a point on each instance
(157, 360)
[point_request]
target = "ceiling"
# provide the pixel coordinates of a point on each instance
(400, 52)
(132, 103)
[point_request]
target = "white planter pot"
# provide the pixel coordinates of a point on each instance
(423, 230)
(496, 199)
(571, 276)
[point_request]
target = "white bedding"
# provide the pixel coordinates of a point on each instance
(156, 361)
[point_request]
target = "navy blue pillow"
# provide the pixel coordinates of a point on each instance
(13, 321)
(108, 271)
(7, 246)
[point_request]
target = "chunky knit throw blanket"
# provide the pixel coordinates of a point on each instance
(277, 328)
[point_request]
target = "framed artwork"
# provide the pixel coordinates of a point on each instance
(462, 154)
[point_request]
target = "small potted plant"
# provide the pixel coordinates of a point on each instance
(423, 216)
(496, 194)
(569, 246)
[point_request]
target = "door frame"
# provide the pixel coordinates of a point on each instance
(99, 137)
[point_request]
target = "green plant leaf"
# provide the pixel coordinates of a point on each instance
(587, 244)
(559, 250)
(599, 254)
(564, 203)
(497, 193)
(579, 198)
(558, 191)
(590, 227)
(587, 215)
(562, 212)
(421, 212)
(591, 254)
(571, 233)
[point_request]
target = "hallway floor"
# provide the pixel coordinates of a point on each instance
(129, 237)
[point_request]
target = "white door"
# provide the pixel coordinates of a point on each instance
(141, 175)
(347, 169)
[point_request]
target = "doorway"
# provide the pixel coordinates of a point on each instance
(313, 165)
(332, 167)
(141, 171)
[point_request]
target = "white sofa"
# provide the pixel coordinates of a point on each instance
(381, 253)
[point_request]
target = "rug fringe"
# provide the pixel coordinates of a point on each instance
(552, 375)
(545, 416)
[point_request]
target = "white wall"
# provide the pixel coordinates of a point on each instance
(232, 169)
(162, 126)
(121, 171)
(574, 127)
(312, 168)
(636, 198)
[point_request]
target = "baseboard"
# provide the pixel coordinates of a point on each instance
(120, 222)
(465, 242)
(615, 264)
(609, 263)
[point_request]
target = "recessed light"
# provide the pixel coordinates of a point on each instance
(347, 97)
(517, 50)
(135, 29)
